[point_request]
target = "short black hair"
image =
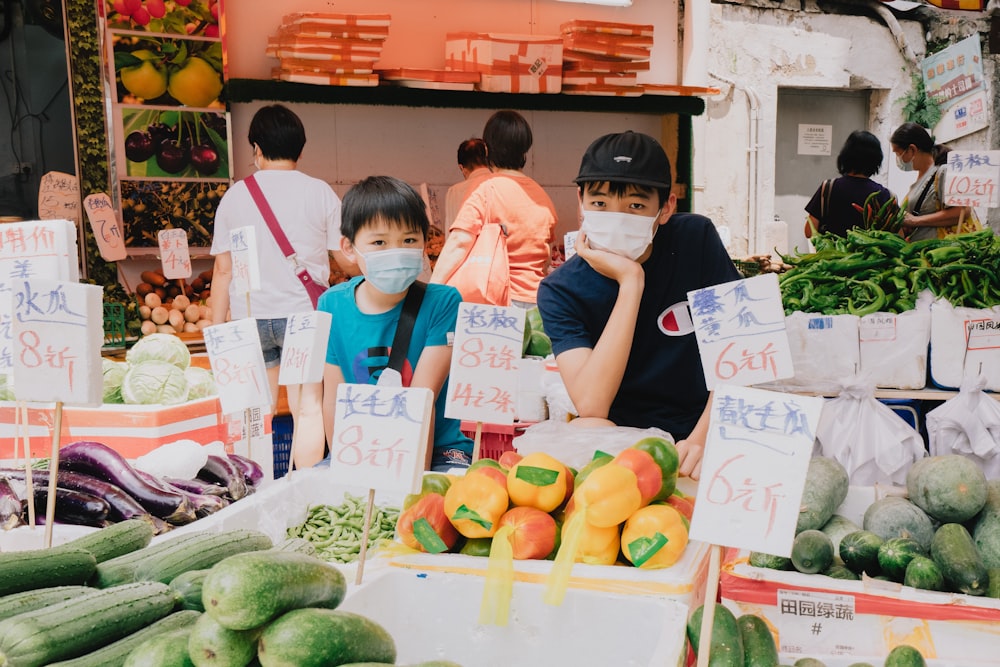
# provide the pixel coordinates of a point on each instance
(508, 138)
(621, 189)
(472, 153)
(278, 132)
(382, 198)
(861, 154)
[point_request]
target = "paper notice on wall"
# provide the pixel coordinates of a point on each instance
(815, 139)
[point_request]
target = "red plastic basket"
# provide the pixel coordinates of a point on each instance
(495, 439)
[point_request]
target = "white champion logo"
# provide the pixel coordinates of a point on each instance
(623, 158)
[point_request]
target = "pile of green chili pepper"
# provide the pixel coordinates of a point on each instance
(872, 271)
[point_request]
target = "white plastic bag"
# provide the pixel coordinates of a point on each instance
(575, 445)
(968, 424)
(866, 437)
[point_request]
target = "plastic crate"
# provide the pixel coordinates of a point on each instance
(114, 325)
(281, 436)
(495, 438)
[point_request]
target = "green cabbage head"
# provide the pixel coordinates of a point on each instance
(161, 347)
(154, 381)
(201, 383)
(114, 373)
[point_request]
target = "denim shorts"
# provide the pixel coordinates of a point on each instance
(272, 339)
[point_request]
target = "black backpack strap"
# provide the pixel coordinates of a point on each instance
(404, 328)
(923, 193)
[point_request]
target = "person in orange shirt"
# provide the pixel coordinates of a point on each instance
(510, 197)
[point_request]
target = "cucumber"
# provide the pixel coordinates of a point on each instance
(836, 528)
(319, 637)
(249, 589)
(993, 590)
(188, 585)
(759, 649)
(812, 552)
(836, 571)
(44, 568)
(726, 646)
(19, 603)
(211, 645)
(70, 629)
(924, 573)
(168, 649)
(114, 654)
(769, 561)
(203, 552)
(825, 489)
(121, 570)
(115, 540)
(895, 554)
(905, 655)
(859, 551)
(961, 563)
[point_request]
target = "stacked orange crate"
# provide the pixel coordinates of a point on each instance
(329, 49)
(604, 57)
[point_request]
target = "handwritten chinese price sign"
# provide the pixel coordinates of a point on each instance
(380, 436)
(59, 197)
(57, 350)
(174, 254)
(812, 623)
(971, 179)
(246, 264)
(303, 354)
(756, 456)
(483, 382)
(740, 327)
(238, 365)
(107, 230)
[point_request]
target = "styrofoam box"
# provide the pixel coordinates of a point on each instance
(954, 630)
(894, 348)
(964, 341)
(508, 63)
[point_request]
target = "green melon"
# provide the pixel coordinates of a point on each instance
(893, 516)
(986, 532)
(950, 488)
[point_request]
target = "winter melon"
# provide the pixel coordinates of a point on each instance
(950, 488)
(893, 516)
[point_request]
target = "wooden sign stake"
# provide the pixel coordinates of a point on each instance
(708, 611)
(477, 442)
(364, 537)
(50, 502)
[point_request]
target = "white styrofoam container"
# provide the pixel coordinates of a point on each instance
(824, 349)
(964, 341)
(894, 348)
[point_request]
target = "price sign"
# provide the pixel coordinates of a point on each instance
(57, 343)
(238, 365)
(105, 226)
(246, 264)
(59, 197)
(482, 385)
(174, 254)
(754, 468)
(971, 179)
(380, 436)
(303, 354)
(811, 623)
(740, 327)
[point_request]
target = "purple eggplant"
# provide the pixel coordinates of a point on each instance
(10, 506)
(122, 506)
(221, 470)
(202, 505)
(73, 507)
(250, 468)
(100, 461)
(199, 486)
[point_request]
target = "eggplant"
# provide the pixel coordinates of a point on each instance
(10, 506)
(201, 505)
(250, 468)
(100, 461)
(223, 471)
(121, 505)
(199, 486)
(72, 507)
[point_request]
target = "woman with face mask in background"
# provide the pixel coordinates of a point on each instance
(925, 213)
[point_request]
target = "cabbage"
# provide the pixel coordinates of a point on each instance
(114, 372)
(161, 347)
(201, 383)
(154, 381)
(7, 387)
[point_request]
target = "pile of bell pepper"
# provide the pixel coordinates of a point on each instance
(633, 513)
(872, 271)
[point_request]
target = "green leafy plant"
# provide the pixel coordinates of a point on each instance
(918, 106)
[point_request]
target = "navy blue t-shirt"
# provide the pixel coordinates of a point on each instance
(844, 193)
(664, 385)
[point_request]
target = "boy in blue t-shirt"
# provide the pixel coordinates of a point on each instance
(384, 226)
(617, 311)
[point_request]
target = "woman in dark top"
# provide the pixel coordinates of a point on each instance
(833, 211)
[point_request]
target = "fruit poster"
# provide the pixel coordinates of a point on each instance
(169, 125)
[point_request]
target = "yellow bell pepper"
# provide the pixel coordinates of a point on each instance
(474, 505)
(598, 546)
(538, 480)
(654, 537)
(609, 495)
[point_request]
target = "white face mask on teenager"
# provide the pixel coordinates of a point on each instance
(393, 271)
(623, 234)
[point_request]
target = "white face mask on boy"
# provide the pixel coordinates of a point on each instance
(393, 271)
(623, 234)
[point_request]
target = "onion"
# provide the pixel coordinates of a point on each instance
(153, 300)
(176, 319)
(192, 313)
(147, 327)
(181, 302)
(159, 315)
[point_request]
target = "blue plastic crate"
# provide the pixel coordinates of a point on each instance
(281, 436)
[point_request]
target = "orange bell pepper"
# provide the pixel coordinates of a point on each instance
(609, 495)
(474, 504)
(654, 537)
(664, 453)
(538, 481)
(424, 526)
(533, 533)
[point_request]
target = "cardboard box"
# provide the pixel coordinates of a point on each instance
(131, 430)
(508, 63)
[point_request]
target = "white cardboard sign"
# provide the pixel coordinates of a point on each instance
(972, 178)
(238, 365)
(740, 328)
(814, 623)
(303, 354)
(482, 385)
(246, 264)
(56, 343)
(174, 254)
(105, 226)
(754, 468)
(380, 436)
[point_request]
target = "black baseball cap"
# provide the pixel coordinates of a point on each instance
(626, 157)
